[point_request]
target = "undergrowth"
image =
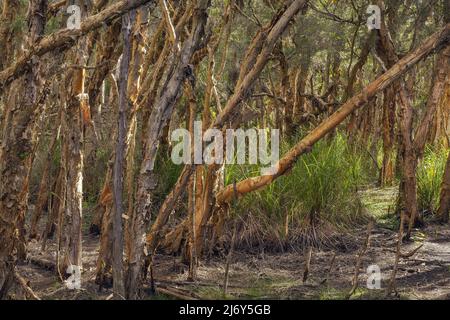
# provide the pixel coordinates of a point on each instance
(429, 178)
(312, 205)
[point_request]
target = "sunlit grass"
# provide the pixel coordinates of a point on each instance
(321, 189)
(429, 178)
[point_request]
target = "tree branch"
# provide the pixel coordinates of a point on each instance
(66, 38)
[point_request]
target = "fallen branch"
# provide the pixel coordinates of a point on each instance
(361, 253)
(175, 293)
(164, 283)
(399, 255)
(391, 286)
(45, 264)
(408, 254)
(229, 257)
(24, 284)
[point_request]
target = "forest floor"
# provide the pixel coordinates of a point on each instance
(425, 275)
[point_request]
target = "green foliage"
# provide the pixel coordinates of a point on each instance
(429, 178)
(170, 173)
(53, 24)
(96, 163)
(327, 177)
(320, 190)
(333, 294)
(19, 24)
(380, 202)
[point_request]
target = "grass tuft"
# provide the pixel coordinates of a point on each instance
(308, 206)
(429, 178)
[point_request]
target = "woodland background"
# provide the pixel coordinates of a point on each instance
(87, 178)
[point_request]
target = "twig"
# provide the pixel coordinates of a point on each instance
(358, 260)
(247, 16)
(163, 282)
(333, 258)
(408, 254)
(331, 16)
(77, 66)
(229, 257)
(391, 286)
(411, 253)
(307, 263)
(399, 255)
(169, 25)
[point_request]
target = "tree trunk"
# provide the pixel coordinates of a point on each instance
(408, 151)
(53, 213)
(66, 38)
(9, 12)
(77, 106)
(408, 184)
(104, 276)
(119, 291)
(441, 125)
(300, 86)
(43, 194)
(256, 57)
(16, 156)
(435, 95)
(148, 178)
(387, 167)
(365, 50)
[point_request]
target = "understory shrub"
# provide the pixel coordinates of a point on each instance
(429, 178)
(311, 205)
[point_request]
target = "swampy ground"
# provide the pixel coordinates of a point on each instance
(262, 275)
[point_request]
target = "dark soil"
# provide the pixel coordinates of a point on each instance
(425, 275)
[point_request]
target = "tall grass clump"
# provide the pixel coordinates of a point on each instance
(429, 178)
(317, 199)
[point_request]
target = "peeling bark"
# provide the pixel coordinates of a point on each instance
(148, 178)
(16, 156)
(66, 38)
